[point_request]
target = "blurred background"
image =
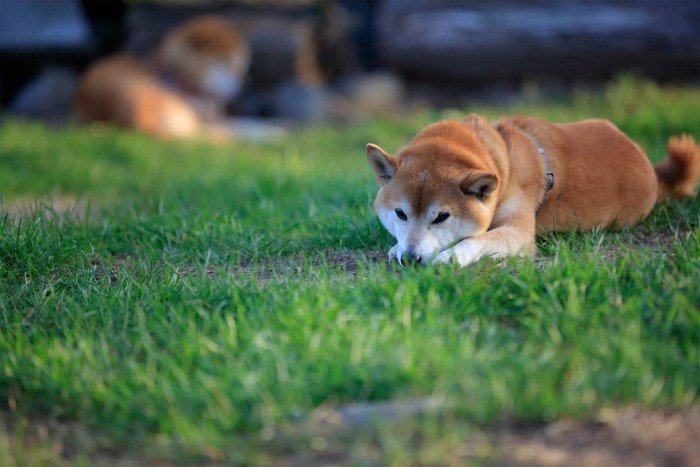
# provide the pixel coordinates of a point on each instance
(344, 60)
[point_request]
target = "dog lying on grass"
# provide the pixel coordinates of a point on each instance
(464, 190)
(181, 93)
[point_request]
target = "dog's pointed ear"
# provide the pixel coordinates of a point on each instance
(383, 163)
(479, 184)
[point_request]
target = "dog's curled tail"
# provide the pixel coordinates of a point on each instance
(679, 173)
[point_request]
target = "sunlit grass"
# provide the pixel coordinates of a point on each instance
(206, 300)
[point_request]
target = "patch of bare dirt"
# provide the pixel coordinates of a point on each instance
(660, 241)
(296, 268)
(632, 437)
(299, 267)
(339, 436)
(52, 442)
(348, 260)
(621, 437)
(56, 205)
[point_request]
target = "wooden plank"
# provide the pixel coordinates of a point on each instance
(479, 40)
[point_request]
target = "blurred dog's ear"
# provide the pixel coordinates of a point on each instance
(383, 163)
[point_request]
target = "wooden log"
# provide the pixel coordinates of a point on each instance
(579, 39)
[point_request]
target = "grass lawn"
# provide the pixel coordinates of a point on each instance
(209, 304)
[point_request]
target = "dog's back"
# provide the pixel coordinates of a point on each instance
(602, 177)
(121, 90)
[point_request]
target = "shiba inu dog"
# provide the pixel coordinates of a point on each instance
(180, 93)
(463, 190)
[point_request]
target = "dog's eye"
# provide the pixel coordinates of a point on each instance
(441, 217)
(400, 214)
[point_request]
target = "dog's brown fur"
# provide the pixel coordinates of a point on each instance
(493, 176)
(129, 92)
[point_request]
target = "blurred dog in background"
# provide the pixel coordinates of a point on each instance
(181, 92)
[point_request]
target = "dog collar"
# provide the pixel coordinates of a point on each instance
(549, 175)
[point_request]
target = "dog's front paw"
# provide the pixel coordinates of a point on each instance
(445, 257)
(464, 253)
